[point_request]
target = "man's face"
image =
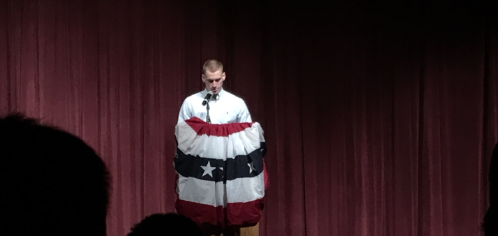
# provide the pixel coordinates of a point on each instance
(214, 80)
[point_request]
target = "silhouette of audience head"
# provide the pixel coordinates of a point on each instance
(490, 224)
(51, 182)
(170, 224)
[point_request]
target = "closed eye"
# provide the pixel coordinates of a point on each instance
(214, 80)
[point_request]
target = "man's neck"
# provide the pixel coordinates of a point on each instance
(215, 96)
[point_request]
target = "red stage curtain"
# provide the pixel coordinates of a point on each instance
(380, 118)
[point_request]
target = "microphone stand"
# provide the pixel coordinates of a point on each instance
(206, 103)
(208, 119)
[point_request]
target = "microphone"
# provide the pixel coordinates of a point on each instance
(206, 99)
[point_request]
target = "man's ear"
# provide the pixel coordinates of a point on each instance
(203, 78)
(223, 76)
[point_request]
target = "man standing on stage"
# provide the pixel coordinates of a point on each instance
(216, 106)
(224, 107)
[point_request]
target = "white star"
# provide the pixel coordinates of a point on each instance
(208, 170)
(251, 167)
(221, 168)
